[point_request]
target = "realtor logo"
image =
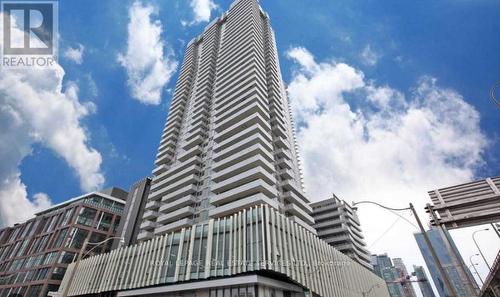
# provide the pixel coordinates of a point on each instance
(29, 33)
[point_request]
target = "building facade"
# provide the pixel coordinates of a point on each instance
(384, 268)
(254, 252)
(229, 140)
(226, 214)
(400, 266)
(134, 210)
(424, 283)
(337, 223)
(448, 257)
(34, 255)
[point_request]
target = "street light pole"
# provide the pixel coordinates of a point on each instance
(480, 252)
(444, 276)
(79, 258)
(475, 269)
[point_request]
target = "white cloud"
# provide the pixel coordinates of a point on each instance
(202, 10)
(75, 54)
(148, 69)
(369, 56)
(35, 108)
(367, 142)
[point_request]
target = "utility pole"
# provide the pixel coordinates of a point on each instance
(447, 282)
(459, 263)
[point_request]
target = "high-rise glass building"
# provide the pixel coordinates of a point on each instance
(383, 267)
(226, 214)
(447, 256)
(423, 282)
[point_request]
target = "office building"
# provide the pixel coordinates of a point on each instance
(226, 214)
(34, 255)
(424, 283)
(337, 223)
(403, 274)
(450, 259)
(134, 210)
(384, 268)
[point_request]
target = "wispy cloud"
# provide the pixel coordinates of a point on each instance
(369, 56)
(202, 10)
(148, 68)
(75, 54)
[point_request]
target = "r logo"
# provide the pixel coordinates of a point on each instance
(28, 28)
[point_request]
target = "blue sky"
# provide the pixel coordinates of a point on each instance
(404, 51)
(453, 41)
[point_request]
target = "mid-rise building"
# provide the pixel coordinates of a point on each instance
(424, 283)
(337, 223)
(34, 255)
(383, 267)
(403, 274)
(134, 210)
(450, 259)
(226, 214)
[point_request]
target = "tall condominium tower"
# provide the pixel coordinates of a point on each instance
(423, 282)
(229, 140)
(338, 224)
(408, 289)
(226, 214)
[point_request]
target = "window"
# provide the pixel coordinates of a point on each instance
(58, 273)
(77, 238)
(86, 216)
(50, 258)
(66, 258)
(60, 238)
(117, 223)
(105, 222)
(67, 217)
(95, 238)
(34, 291)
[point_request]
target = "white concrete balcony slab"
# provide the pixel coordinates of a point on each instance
(241, 132)
(240, 116)
(233, 207)
(165, 151)
(175, 169)
(281, 142)
(235, 166)
(295, 210)
(150, 214)
(251, 188)
(292, 197)
(165, 159)
(179, 193)
(284, 163)
(172, 187)
(145, 235)
(194, 142)
(283, 153)
(242, 156)
(148, 225)
(175, 215)
(152, 205)
(160, 169)
(248, 144)
(285, 173)
(160, 183)
(178, 203)
(243, 178)
(183, 223)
